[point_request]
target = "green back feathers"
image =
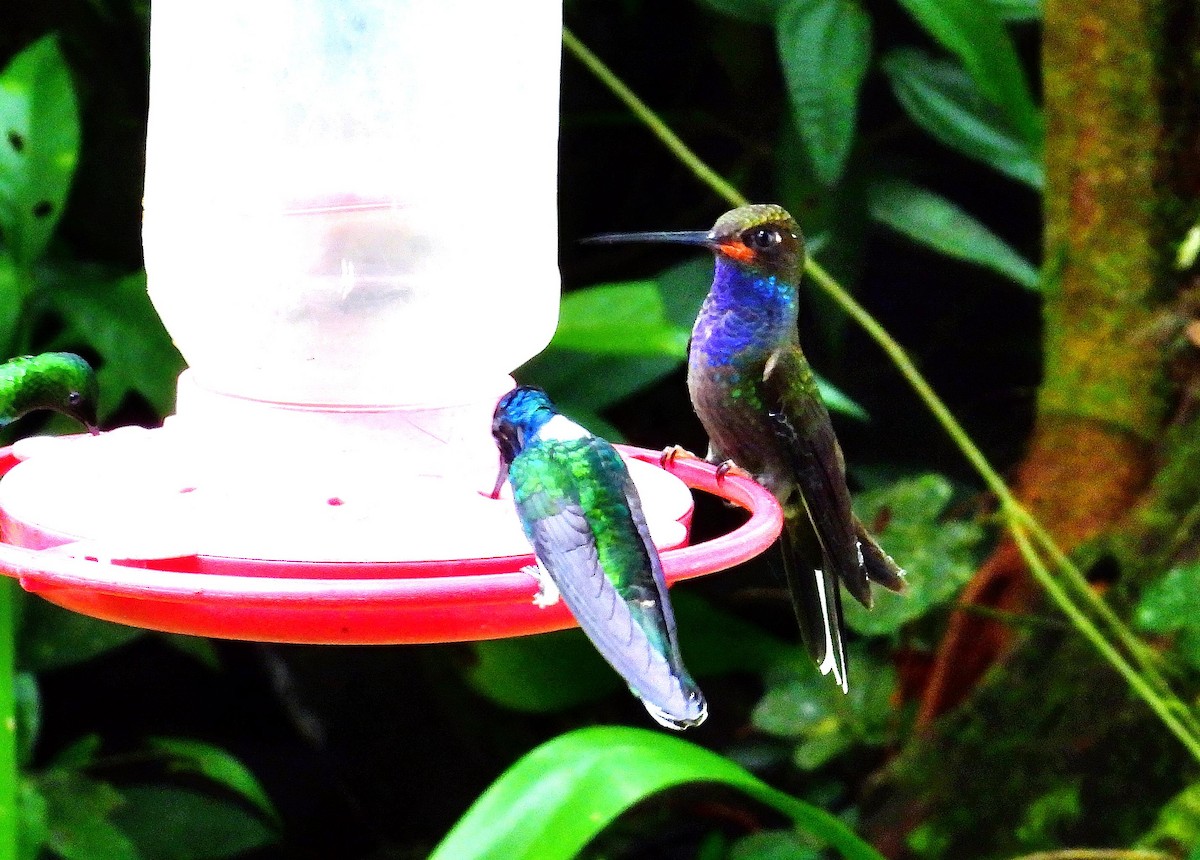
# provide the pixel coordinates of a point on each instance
(589, 473)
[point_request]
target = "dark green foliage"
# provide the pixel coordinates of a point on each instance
(71, 809)
(902, 133)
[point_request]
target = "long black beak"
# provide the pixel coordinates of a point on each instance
(685, 237)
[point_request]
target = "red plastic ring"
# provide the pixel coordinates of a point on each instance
(411, 609)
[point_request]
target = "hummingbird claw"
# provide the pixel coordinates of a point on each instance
(547, 593)
(667, 459)
(728, 467)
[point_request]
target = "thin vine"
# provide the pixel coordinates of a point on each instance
(1057, 574)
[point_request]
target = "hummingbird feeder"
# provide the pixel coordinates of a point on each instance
(325, 211)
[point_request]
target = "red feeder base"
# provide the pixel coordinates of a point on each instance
(359, 602)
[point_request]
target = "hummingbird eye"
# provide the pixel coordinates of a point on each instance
(75, 398)
(763, 238)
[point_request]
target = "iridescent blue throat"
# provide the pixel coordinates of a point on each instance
(746, 312)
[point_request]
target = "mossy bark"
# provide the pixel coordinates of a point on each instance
(1116, 185)
(1113, 465)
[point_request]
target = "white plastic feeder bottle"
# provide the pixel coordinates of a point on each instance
(350, 233)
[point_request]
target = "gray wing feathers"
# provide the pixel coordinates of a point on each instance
(564, 545)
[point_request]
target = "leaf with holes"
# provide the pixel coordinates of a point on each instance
(39, 147)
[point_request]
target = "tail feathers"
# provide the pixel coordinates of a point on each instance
(881, 568)
(817, 602)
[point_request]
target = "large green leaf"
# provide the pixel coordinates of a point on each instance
(825, 49)
(170, 823)
(938, 554)
(39, 147)
(947, 103)
(975, 33)
(618, 319)
(558, 797)
(187, 755)
(932, 220)
(116, 319)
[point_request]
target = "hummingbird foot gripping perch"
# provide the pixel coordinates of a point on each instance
(547, 593)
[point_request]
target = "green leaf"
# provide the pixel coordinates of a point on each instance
(937, 554)
(539, 674)
(805, 707)
(934, 221)
(78, 810)
(825, 49)
(555, 671)
(28, 704)
(944, 101)
(1178, 822)
(683, 288)
(618, 319)
(39, 146)
(14, 284)
(79, 754)
(582, 382)
(198, 648)
(555, 799)
(192, 756)
(35, 827)
(117, 320)
(52, 637)
(773, 845)
(1018, 10)
(838, 401)
(1171, 605)
(975, 33)
(754, 11)
(170, 823)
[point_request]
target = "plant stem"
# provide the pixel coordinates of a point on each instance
(9, 818)
(639, 109)
(1145, 680)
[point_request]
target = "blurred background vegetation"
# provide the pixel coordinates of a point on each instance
(1024, 256)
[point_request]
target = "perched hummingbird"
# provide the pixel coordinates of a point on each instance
(61, 381)
(756, 396)
(581, 512)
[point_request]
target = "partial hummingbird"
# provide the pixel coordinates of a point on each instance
(581, 512)
(60, 381)
(757, 398)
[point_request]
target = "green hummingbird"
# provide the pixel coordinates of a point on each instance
(756, 396)
(582, 515)
(61, 381)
